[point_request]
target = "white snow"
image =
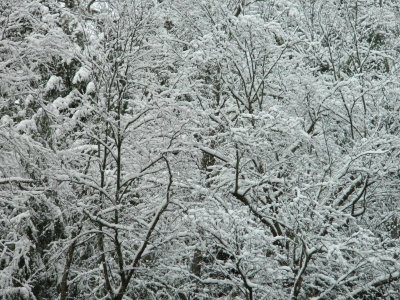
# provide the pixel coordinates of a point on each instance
(5, 119)
(83, 75)
(63, 103)
(17, 219)
(90, 88)
(54, 84)
(28, 100)
(26, 126)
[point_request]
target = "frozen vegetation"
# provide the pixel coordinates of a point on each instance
(189, 150)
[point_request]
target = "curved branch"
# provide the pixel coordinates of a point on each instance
(381, 280)
(142, 248)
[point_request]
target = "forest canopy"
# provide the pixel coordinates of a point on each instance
(211, 149)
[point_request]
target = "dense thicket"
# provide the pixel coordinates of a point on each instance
(211, 149)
